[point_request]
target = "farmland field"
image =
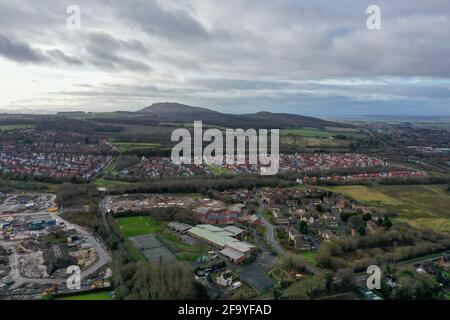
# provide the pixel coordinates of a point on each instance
(307, 132)
(15, 126)
(336, 129)
(130, 146)
(420, 205)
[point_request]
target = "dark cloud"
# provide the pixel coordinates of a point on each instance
(105, 51)
(156, 20)
(108, 42)
(59, 55)
(19, 51)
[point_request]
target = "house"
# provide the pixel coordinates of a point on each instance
(296, 213)
(292, 232)
(326, 235)
(326, 219)
(225, 279)
(280, 218)
(361, 208)
(372, 226)
(298, 240)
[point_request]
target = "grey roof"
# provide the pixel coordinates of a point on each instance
(232, 253)
(234, 230)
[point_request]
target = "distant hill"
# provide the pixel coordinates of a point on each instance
(168, 112)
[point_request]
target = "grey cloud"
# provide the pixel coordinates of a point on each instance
(59, 55)
(19, 51)
(174, 24)
(107, 52)
(108, 42)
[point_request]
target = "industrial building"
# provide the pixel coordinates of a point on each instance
(179, 227)
(41, 222)
(232, 248)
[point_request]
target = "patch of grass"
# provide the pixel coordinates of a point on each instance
(16, 127)
(217, 170)
(337, 129)
(133, 250)
(279, 274)
(366, 194)
(309, 256)
(182, 250)
(307, 132)
(244, 292)
(137, 226)
(34, 186)
(104, 295)
(104, 183)
(124, 146)
(267, 215)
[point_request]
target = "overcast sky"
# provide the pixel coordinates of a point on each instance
(298, 56)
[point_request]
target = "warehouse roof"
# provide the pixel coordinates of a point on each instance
(231, 253)
(234, 230)
(241, 246)
(213, 234)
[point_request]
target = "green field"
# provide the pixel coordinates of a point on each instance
(104, 295)
(104, 183)
(124, 146)
(34, 186)
(345, 130)
(309, 256)
(217, 170)
(307, 133)
(419, 205)
(137, 226)
(7, 127)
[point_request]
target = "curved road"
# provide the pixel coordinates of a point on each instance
(270, 236)
(102, 258)
(272, 241)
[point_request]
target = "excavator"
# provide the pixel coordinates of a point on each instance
(21, 249)
(49, 291)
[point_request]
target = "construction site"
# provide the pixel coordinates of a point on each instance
(37, 246)
(141, 202)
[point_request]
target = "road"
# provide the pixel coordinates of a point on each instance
(270, 233)
(272, 241)
(270, 236)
